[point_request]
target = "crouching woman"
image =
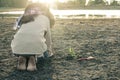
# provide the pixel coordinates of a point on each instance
(33, 38)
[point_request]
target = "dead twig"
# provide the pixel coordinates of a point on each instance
(88, 58)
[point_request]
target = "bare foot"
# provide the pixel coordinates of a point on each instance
(31, 64)
(21, 63)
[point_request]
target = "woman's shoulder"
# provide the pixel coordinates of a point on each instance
(42, 17)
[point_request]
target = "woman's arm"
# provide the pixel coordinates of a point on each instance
(48, 40)
(17, 24)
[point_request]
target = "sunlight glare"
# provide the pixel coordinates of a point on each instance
(44, 1)
(63, 1)
(50, 1)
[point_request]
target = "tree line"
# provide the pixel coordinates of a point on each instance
(13, 3)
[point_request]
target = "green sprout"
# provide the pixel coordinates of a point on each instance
(72, 52)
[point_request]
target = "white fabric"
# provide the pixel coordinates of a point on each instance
(31, 38)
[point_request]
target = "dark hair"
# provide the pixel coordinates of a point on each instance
(43, 8)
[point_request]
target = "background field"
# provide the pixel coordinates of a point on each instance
(99, 38)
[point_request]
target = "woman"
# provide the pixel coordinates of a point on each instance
(34, 36)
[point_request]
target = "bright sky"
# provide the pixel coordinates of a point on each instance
(49, 1)
(44, 1)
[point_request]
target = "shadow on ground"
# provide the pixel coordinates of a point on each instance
(44, 71)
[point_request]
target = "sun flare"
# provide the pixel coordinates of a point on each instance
(49, 1)
(44, 1)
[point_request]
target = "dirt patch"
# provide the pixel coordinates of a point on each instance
(97, 38)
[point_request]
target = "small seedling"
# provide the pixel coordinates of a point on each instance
(72, 53)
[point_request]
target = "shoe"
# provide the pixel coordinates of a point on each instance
(21, 63)
(32, 64)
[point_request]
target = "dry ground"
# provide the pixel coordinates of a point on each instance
(97, 38)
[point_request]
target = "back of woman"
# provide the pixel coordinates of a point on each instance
(33, 39)
(30, 37)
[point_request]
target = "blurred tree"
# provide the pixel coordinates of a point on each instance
(13, 3)
(98, 1)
